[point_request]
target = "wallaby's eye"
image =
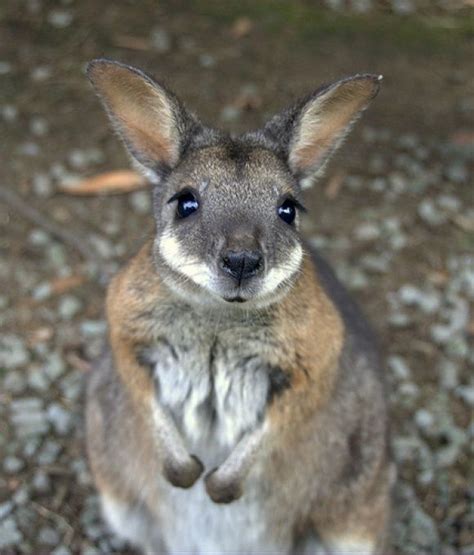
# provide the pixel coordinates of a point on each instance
(287, 211)
(187, 203)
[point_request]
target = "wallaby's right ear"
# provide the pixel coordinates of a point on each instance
(152, 122)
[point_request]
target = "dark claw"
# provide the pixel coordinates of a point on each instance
(222, 492)
(184, 476)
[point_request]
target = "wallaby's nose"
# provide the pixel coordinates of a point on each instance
(242, 264)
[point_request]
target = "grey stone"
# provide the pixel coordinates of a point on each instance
(207, 60)
(457, 172)
(61, 550)
(48, 536)
(102, 246)
(5, 67)
(5, 509)
(49, 452)
(57, 256)
(54, 366)
(71, 386)
(78, 159)
(39, 238)
(93, 328)
(37, 378)
(29, 148)
(21, 495)
(230, 113)
(39, 126)
(399, 367)
(450, 203)
(160, 40)
(424, 419)
(430, 213)
(60, 18)
(141, 202)
(423, 529)
(12, 465)
(399, 320)
(60, 418)
(367, 232)
(30, 447)
(379, 264)
(448, 372)
(13, 352)
(69, 306)
(9, 113)
(466, 393)
(40, 73)
(10, 535)
(41, 482)
(42, 185)
(28, 417)
(41, 291)
(14, 382)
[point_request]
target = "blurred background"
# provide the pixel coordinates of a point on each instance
(394, 214)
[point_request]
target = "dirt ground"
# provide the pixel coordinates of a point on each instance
(395, 215)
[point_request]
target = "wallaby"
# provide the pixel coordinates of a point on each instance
(241, 407)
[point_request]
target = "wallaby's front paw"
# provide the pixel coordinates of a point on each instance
(184, 475)
(221, 490)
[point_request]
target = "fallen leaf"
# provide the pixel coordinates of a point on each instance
(464, 222)
(109, 183)
(241, 27)
(132, 43)
(62, 284)
(462, 138)
(40, 335)
(77, 362)
(334, 185)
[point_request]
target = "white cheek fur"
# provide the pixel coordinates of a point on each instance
(280, 273)
(189, 266)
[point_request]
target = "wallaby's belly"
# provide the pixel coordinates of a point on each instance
(217, 392)
(192, 523)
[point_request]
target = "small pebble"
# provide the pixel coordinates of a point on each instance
(48, 536)
(60, 18)
(399, 367)
(141, 202)
(12, 465)
(69, 306)
(160, 40)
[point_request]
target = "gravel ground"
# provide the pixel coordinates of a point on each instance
(395, 215)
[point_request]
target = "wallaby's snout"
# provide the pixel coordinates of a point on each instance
(241, 264)
(241, 257)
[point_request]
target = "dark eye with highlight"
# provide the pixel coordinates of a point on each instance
(187, 203)
(287, 211)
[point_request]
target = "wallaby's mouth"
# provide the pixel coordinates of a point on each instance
(237, 299)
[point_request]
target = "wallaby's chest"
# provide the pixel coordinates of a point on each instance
(214, 381)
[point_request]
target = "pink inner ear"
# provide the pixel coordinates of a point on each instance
(152, 146)
(141, 111)
(326, 122)
(324, 135)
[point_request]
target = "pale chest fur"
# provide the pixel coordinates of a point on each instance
(214, 380)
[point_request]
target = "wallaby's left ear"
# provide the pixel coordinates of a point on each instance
(153, 123)
(312, 130)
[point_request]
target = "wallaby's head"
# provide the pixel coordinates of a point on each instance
(227, 209)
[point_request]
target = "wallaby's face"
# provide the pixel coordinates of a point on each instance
(227, 209)
(227, 219)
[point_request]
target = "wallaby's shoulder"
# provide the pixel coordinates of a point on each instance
(136, 286)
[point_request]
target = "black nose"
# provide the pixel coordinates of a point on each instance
(242, 264)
